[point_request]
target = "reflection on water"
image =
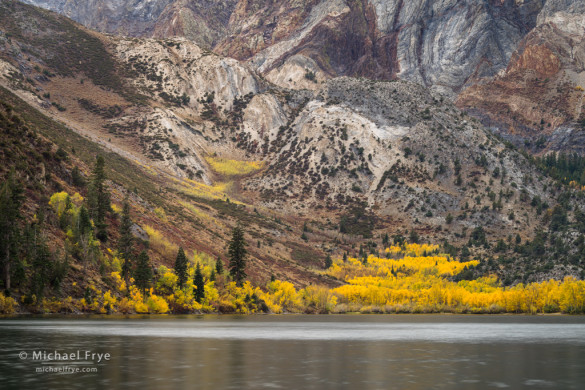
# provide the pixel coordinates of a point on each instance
(302, 352)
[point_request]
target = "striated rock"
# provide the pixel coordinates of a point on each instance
(297, 72)
(445, 44)
(539, 97)
(203, 21)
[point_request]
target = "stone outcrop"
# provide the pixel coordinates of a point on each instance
(445, 44)
(539, 96)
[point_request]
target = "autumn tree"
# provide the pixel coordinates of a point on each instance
(98, 199)
(199, 284)
(143, 273)
(237, 253)
(126, 241)
(11, 199)
(181, 267)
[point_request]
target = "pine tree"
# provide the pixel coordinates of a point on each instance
(237, 252)
(199, 285)
(99, 199)
(219, 266)
(11, 199)
(126, 241)
(143, 273)
(181, 267)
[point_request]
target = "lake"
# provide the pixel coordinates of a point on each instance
(293, 352)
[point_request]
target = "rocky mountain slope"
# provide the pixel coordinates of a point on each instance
(539, 97)
(489, 55)
(448, 44)
(311, 172)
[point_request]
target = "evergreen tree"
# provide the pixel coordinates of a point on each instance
(199, 285)
(219, 266)
(126, 241)
(328, 261)
(77, 178)
(83, 222)
(385, 239)
(237, 252)
(99, 199)
(11, 199)
(143, 273)
(181, 267)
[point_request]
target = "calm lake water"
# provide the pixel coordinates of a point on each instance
(294, 352)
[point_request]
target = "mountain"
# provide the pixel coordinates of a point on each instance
(539, 97)
(446, 45)
(481, 54)
(311, 172)
(203, 21)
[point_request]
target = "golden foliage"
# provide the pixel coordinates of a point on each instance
(7, 304)
(228, 167)
(423, 283)
(160, 243)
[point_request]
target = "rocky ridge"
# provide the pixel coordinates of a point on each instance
(448, 45)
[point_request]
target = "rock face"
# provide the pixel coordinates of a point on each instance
(203, 21)
(446, 44)
(539, 97)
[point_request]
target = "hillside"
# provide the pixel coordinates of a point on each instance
(516, 66)
(201, 142)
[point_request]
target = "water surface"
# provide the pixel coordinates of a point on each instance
(296, 352)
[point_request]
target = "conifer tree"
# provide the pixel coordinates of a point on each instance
(99, 199)
(219, 266)
(181, 267)
(11, 199)
(126, 241)
(83, 222)
(328, 261)
(143, 273)
(199, 285)
(385, 239)
(238, 253)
